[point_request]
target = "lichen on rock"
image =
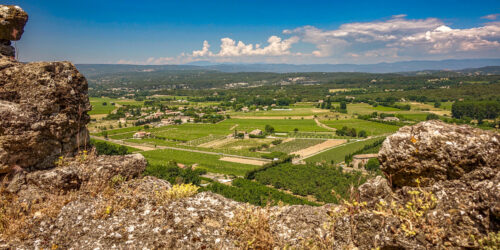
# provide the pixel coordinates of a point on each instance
(434, 151)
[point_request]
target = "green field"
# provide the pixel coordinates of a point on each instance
(446, 105)
(246, 144)
(338, 154)
(211, 163)
(365, 108)
(280, 125)
(372, 128)
(99, 109)
(418, 117)
(298, 110)
(121, 131)
(296, 145)
(185, 132)
(193, 131)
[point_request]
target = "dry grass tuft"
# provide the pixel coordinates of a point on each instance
(252, 229)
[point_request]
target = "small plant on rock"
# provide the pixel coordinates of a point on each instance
(177, 191)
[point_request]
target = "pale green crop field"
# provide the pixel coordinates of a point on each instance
(99, 109)
(185, 132)
(296, 145)
(365, 108)
(240, 144)
(280, 125)
(304, 111)
(211, 163)
(372, 128)
(338, 154)
(414, 116)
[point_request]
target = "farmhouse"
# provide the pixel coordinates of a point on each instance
(257, 132)
(358, 161)
(391, 119)
(141, 134)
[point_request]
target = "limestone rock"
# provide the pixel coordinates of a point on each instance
(433, 151)
(95, 173)
(12, 21)
(43, 113)
(378, 188)
(6, 49)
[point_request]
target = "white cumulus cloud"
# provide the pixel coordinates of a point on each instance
(230, 48)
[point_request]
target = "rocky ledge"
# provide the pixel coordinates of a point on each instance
(43, 106)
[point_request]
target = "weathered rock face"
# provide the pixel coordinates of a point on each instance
(12, 21)
(6, 49)
(433, 151)
(42, 113)
(42, 105)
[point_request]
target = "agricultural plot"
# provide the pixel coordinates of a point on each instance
(295, 145)
(314, 135)
(243, 161)
(306, 152)
(185, 132)
(365, 108)
(413, 116)
(280, 125)
(211, 163)
(296, 111)
(372, 128)
(191, 131)
(338, 154)
(205, 141)
(99, 109)
(240, 144)
(152, 142)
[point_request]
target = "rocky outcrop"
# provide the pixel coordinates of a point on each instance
(434, 151)
(43, 106)
(12, 21)
(43, 114)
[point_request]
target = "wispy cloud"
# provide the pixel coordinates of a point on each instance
(491, 16)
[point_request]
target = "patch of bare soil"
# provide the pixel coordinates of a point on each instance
(216, 143)
(273, 117)
(243, 161)
(319, 147)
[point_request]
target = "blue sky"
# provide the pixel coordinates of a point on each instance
(173, 32)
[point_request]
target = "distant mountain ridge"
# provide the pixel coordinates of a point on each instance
(396, 67)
